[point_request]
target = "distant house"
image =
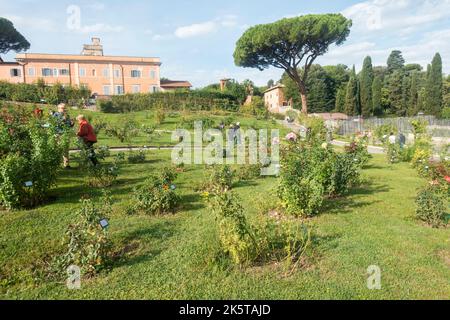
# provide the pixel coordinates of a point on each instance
(275, 100)
(172, 85)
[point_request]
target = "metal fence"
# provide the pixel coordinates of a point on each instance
(436, 127)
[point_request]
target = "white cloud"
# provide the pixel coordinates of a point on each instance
(100, 27)
(208, 27)
(32, 23)
(197, 29)
(400, 16)
(98, 6)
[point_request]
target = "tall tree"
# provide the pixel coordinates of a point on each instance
(321, 90)
(291, 42)
(395, 89)
(413, 94)
(433, 102)
(351, 100)
(376, 96)
(340, 99)
(395, 61)
(10, 38)
(366, 88)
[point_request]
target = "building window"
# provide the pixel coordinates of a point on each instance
(153, 89)
(117, 73)
(119, 89)
(47, 72)
(106, 90)
(55, 72)
(106, 73)
(31, 72)
(82, 72)
(63, 72)
(94, 72)
(15, 73)
(135, 73)
(136, 88)
(152, 74)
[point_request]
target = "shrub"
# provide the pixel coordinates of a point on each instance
(157, 195)
(303, 198)
(383, 132)
(106, 106)
(420, 161)
(393, 152)
(309, 172)
(248, 172)
(137, 157)
(123, 131)
(191, 100)
(445, 114)
(29, 162)
(256, 108)
(235, 233)
(345, 174)
(358, 149)
(267, 240)
(431, 205)
(221, 178)
(160, 115)
(86, 241)
(103, 174)
(315, 126)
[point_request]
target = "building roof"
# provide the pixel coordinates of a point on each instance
(278, 86)
(72, 57)
(175, 84)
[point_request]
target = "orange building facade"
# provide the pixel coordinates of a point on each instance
(103, 75)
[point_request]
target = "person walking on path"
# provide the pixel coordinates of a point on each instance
(87, 135)
(63, 123)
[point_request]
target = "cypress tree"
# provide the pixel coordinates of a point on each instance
(366, 88)
(376, 96)
(395, 61)
(413, 95)
(351, 100)
(340, 99)
(433, 101)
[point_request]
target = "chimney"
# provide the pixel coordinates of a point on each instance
(93, 49)
(223, 84)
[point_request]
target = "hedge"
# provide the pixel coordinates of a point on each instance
(39, 92)
(192, 100)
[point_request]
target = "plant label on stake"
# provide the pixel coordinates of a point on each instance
(28, 184)
(104, 223)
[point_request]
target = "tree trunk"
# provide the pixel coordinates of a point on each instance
(304, 103)
(304, 99)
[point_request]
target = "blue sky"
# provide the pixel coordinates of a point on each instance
(195, 39)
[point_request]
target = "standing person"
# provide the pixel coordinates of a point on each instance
(63, 122)
(86, 132)
(392, 138)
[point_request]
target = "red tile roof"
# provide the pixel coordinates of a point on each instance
(175, 84)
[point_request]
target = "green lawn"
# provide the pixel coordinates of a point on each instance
(164, 130)
(172, 257)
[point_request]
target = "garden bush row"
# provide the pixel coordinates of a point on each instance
(40, 92)
(184, 100)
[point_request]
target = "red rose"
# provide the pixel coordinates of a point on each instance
(447, 178)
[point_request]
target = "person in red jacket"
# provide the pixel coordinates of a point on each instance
(87, 134)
